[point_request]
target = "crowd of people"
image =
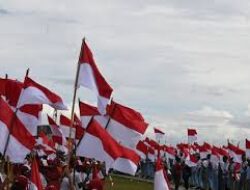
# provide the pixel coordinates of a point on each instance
(55, 172)
(205, 174)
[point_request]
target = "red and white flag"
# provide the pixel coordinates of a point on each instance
(191, 161)
(121, 122)
(192, 136)
(45, 145)
(247, 148)
(105, 148)
(21, 142)
(159, 134)
(142, 149)
(34, 93)
(36, 182)
(235, 152)
(90, 77)
(65, 125)
(57, 134)
(28, 114)
(160, 178)
(77, 128)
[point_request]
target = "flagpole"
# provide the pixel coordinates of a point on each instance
(75, 90)
(111, 114)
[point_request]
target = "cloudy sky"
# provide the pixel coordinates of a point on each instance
(181, 63)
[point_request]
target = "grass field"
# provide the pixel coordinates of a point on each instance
(127, 184)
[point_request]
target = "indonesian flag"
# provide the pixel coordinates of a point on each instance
(160, 178)
(45, 145)
(204, 150)
(65, 125)
(142, 149)
(57, 134)
(28, 114)
(121, 122)
(2, 86)
(34, 93)
(235, 152)
(21, 142)
(247, 148)
(158, 134)
(98, 144)
(35, 179)
(169, 151)
(90, 77)
(192, 136)
(191, 161)
(215, 155)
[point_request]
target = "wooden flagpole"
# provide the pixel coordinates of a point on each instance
(74, 97)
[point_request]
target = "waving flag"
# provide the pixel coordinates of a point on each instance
(57, 134)
(160, 178)
(121, 122)
(235, 152)
(247, 148)
(21, 142)
(34, 93)
(158, 134)
(192, 136)
(105, 148)
(90, 77)
(35, 179)
(28, 114)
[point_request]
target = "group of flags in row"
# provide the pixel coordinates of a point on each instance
(109, 132)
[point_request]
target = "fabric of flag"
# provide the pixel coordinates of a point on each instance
(34, 93)
(20, 141)
(160, 178)
(105, 148)
(91, 78)
(192, 136)
(121, 122)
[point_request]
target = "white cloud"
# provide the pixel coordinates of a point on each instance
(166, 58)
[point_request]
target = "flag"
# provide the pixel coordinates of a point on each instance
(158, 134)
(65, 125)
(35, 179)
(77, 128)
(235, 152)
(29, 114)
(121, 122)
(105, 148)
(160, 178)
(90, 77)
(2, 86)
(57, 134)
(191, 161)
(247, 148)
(34, 93)
(20, 141)
(192, 136)
(44, 144)
(142, 149)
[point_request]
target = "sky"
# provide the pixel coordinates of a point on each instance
(182, 64)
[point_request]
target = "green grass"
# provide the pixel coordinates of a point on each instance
(127, 184)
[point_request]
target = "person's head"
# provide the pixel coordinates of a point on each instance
(177, 159)
(20, 183)
(225, 158)
(208, 156)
